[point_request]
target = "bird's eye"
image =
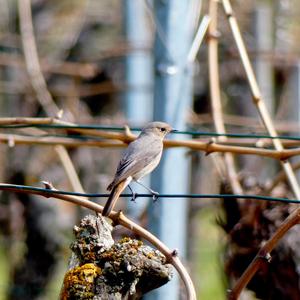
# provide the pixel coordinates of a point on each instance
(162, 129)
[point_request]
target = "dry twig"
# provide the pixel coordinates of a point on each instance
(256, 94)
(114, 139)
(39, 84)
(294, 218)
(85, 70)
(215, 92)
(280, 177)
(32, 61)
(263, 255)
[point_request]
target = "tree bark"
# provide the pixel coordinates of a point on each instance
(101, 268)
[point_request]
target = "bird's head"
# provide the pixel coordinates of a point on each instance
(159, 129)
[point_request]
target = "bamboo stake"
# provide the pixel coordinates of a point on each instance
(294, 217)
(257, 98)
(215, 92)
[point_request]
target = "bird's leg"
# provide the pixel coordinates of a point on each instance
(154, 193)
(133, 197)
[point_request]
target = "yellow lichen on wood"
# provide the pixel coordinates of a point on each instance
(80, 282)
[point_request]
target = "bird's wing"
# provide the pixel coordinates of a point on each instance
(138, 155)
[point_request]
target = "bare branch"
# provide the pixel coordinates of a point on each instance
(85, 70)
(280, 177)
(294, 218)
(39, 84)
(264, 254)
(31, 59)
(256, 94)
(116, 139)
(215, 93)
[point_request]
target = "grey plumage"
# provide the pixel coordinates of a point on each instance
(140, 158)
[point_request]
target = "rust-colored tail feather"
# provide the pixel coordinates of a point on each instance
(113, 197)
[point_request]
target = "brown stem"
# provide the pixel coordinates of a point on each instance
(69, 167)
(76, 69)
(121, 140)
(117, 135)
(245, 121)
(256, 94)
(39, 84)
(264, 254)
(32, 60)
(281, 176)
(215, 92)
(266, 118)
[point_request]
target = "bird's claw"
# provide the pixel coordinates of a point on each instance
(155, 196)
(133, 197)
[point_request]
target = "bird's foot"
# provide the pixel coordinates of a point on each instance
(133, 197)
(155, 196)
(133, 194)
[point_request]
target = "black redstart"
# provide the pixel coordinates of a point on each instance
(139, 159)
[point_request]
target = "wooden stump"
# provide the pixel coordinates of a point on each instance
(101, 268)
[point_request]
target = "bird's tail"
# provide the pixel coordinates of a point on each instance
(114, 196)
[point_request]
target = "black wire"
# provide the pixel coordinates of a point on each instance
(105, 195)
(184, 132)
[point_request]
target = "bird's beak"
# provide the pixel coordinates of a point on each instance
(174, 130)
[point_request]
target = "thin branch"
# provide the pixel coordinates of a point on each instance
(76, 69)
(250, 142)
(215, 92)
(71, 127)
(256, 94)
(280, 177)
(244, 121)
(120, 218)
(39, 84)
(263, 255)
(73, 90)
(32, 60)
(69, 167)
(15, 139)
(121, 140)
(294, 218)
(203, 26)
(205, 118)
(25, 120)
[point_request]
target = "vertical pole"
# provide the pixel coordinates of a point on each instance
(172, 98)
(294, 94)
(293, 102)
(138, 64)
(263, 30)
(264, 33)
(138, 98)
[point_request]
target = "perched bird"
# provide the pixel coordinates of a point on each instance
(139, 159)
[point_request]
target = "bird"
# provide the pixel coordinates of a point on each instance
(140, 158)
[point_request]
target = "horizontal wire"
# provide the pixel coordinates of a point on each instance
(117, 128)
(23, 188)
(86, 138)
(89, 138)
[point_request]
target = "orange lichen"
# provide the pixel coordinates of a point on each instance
(80, 281)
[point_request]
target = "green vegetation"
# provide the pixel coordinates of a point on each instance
(4, 273)
(209, 243)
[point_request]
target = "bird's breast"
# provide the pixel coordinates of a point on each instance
(148, 168)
